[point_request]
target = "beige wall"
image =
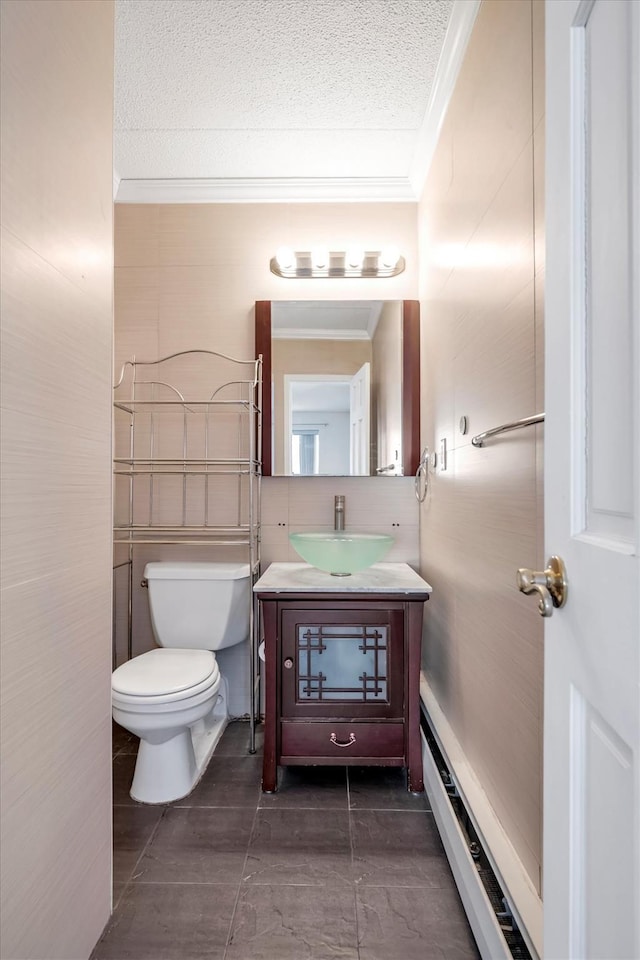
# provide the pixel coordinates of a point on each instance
(187, 276)
(57, 92)
(481, 260)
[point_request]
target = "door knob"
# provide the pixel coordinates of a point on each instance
(550, 585)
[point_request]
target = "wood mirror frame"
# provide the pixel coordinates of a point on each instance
(410, 383)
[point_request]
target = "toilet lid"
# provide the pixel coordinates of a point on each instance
(164, 672)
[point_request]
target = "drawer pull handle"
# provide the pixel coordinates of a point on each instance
(334, 739)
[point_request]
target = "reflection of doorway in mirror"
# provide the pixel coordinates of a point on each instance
(326, 424)
(360, 421)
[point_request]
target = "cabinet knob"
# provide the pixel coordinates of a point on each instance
(288, 663)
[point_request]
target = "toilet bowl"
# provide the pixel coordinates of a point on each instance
(175, 701)
(175, 698)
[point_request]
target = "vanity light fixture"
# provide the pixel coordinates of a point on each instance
(285, 258)
(355, 257)
(319, 258)
(389, 257)
(351, 264)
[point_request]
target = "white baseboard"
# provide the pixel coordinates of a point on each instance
(480, 913)
(522, 896)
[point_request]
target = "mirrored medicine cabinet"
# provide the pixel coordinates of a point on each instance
(341, 393)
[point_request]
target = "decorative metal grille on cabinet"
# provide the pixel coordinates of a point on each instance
(345, 662)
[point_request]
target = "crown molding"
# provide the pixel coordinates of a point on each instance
(318, 333)
(463, 17)
(267, 190)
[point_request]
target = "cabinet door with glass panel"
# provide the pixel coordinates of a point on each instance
(342, 663)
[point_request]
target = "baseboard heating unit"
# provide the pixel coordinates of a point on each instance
(495, 924)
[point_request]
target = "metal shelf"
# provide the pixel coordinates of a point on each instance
(166, 475)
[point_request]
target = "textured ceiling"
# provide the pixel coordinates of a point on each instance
(273, 88)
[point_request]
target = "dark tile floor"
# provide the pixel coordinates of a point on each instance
(339, 863)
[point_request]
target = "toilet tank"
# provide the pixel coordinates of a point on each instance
(198, 605)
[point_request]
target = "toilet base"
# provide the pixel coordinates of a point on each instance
(169, 771)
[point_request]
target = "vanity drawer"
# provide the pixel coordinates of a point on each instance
(341, 740)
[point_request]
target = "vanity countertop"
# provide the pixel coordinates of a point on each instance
(380, 578)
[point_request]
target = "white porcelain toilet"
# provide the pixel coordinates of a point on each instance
(175, 698)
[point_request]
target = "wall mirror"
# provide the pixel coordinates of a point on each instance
(341, 394)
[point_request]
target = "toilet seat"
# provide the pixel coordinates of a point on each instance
(164, 676)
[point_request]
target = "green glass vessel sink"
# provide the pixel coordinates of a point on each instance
(341, 553)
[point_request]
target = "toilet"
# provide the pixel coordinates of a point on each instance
(175, 698)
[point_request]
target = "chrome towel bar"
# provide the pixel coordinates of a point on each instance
(479, 440)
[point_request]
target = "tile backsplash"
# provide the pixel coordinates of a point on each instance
(375, 504)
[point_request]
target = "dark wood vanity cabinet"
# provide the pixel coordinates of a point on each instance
(342, 681)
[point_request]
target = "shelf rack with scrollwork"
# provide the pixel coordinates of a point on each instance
(187, 467)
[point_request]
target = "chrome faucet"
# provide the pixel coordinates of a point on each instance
(338, 512)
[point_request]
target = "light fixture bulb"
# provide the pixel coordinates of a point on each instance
(285, 257)
(389, 257)
(354, 257)
(320, 257)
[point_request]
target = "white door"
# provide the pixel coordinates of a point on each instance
(359, 416)
(591, 880)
